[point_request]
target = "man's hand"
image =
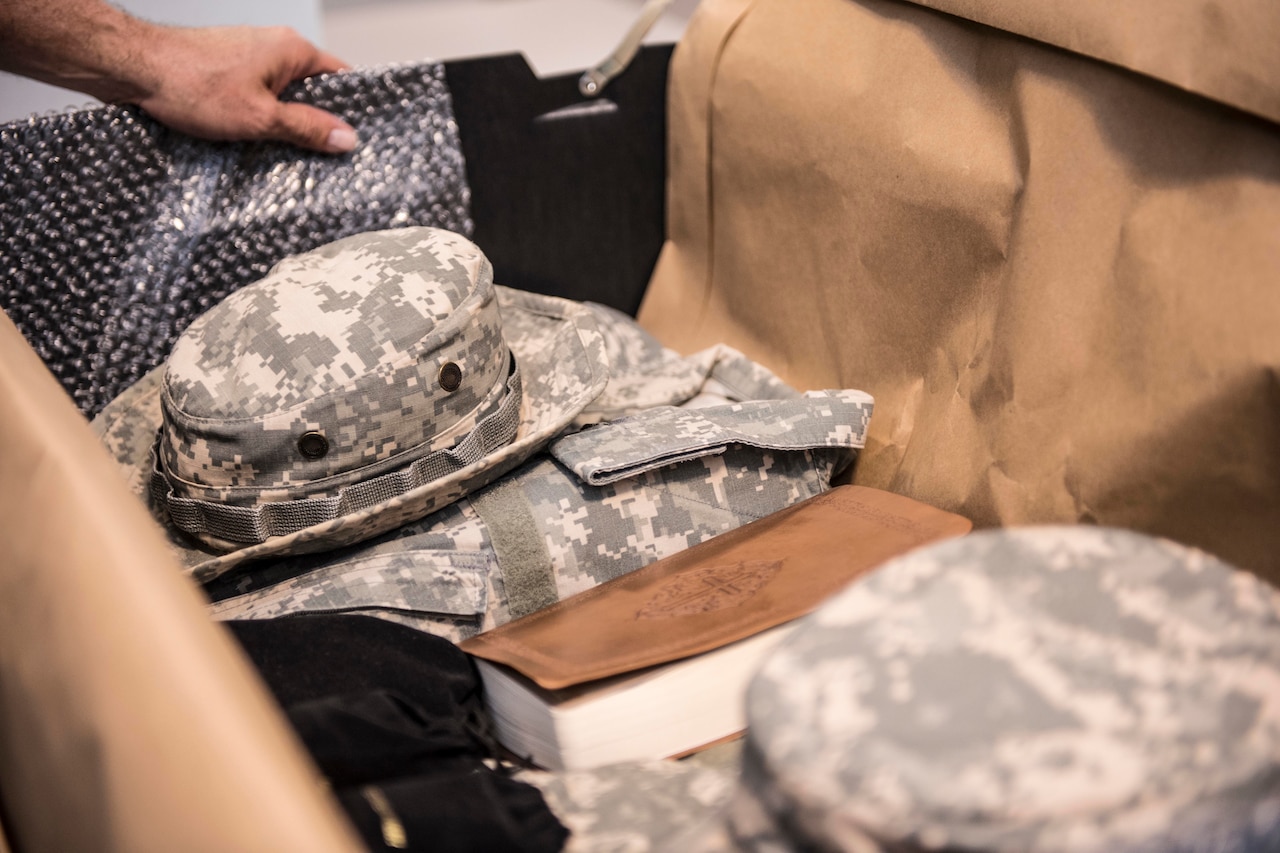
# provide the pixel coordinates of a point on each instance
(223, 83)
(212, 82)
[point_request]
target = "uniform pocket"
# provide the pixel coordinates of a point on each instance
(665, 435)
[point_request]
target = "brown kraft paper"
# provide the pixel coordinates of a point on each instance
(1057, 276)
(128, 720)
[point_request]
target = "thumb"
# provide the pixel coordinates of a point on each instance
(312, 128)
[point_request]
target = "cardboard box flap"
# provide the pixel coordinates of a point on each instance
(128, 720)
(1227, 50)
(1056, 276)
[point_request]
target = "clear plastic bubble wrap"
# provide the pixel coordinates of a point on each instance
(115, 232)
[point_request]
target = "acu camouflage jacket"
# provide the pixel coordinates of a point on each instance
(674, 451)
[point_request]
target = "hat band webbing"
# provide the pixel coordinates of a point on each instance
(254, 524)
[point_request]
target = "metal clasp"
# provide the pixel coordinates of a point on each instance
(593, 81)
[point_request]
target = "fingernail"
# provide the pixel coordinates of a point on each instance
(341, 139)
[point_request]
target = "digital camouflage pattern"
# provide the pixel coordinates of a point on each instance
(1045, 689)
(443, 574)
(351, 374)
(665, 435)
(644, 374)
(468, 568)
(633, 808)
(556, 343)
(348, 340)
(467, 559)
(545, 533)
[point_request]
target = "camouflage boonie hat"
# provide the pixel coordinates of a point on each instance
(356, 387)
(1043, 689)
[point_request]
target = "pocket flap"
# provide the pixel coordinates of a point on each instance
(664, 435)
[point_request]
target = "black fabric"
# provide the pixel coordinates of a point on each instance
(360, 738)
(473, 813)
(394, 719)
(567, 192)
(314, 656)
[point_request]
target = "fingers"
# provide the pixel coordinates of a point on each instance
(311, 128)
(304, 126)
(224, 83)
(291, 57)
(326, 63)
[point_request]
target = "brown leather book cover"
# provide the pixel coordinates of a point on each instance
(760, 575)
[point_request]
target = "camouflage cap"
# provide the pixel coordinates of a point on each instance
(1043, 689)
(354, 388)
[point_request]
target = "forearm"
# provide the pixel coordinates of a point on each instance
(85, 45)
(212, 82)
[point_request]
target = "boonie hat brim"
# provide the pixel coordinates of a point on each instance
(561, 354)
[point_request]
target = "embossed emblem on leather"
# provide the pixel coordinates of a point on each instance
(712, 588)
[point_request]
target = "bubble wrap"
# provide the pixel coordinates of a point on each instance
(115, 232)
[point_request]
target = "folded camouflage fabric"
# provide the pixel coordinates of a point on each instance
(1045, 689)
(640, 807)
(546, 531)
(692, 447)
(358, 386)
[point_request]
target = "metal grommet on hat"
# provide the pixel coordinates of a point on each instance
(345, 337)
(313, 445)
(450, 376)
(353, 335)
